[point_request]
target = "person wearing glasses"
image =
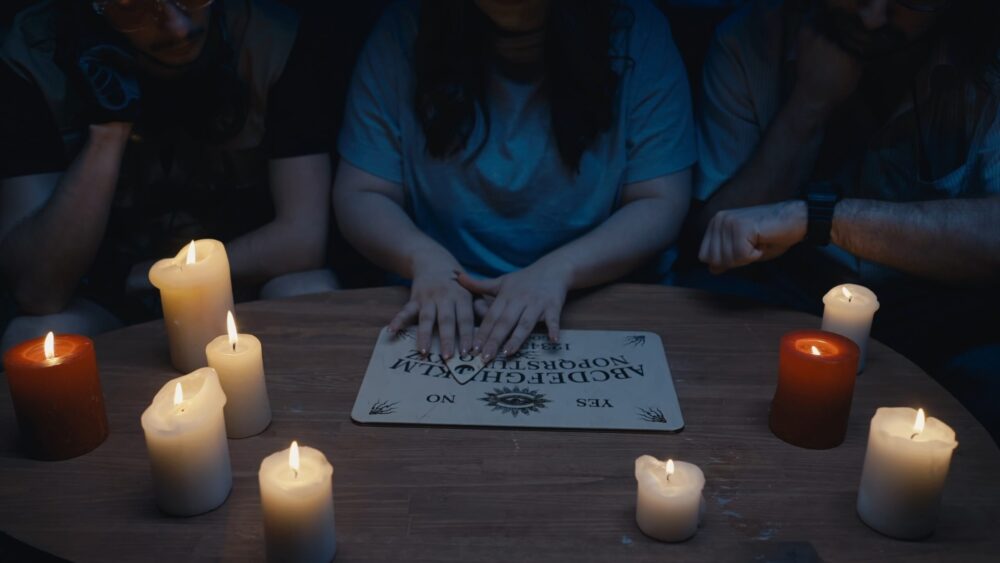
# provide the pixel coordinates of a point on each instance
(130, 127)
(851, 140)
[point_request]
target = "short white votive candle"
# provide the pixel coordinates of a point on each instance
(296, 496)
(905, 469)
(186, 439)
(669, 499)
(240, 364)
(848, 311)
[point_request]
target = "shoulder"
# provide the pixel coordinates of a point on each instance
(262, 34)
(31, 37)
(261, 20)
(642, 23)
(276, 13)
(756, 28)
(397, 25)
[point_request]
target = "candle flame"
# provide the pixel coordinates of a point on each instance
(815, 351)
(178, 394)
(50, 346)
(231, 328)
(918, 424)
(293, 457)
(847, 293)
(669, 468)
(191, 256)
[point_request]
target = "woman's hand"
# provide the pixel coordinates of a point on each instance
(520, 300)
(436, 296)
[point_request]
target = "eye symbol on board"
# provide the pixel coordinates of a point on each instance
(515, 401)
(463, 369)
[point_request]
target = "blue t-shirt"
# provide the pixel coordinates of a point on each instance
(507, 199)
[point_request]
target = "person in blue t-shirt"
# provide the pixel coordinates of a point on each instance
(538, 145)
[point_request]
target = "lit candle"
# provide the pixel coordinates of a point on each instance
(669, 502)
(238, 361)
(816, 375)
(296, 497)
(905, 468)
(848, 311)
(57, 396)
(186, 439)
(196, 292)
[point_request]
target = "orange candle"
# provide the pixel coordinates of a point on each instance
(57, 396)
(816, 374)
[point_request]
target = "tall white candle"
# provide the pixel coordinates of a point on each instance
(186, 439)
(848, 311)
(906, 465)
(238, 360)
(669, 501)
(296, 496)
(196, 291)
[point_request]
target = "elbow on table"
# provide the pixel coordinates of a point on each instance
(309, 252)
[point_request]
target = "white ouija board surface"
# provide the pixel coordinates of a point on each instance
(588, 380)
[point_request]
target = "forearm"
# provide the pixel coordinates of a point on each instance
(45, 255)
(275, 249)
(633, 234)
(379, 228)
(779, 166)
(954, 241)
(295, 241)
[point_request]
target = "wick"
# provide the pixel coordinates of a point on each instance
(234, 346)
(296, 472)
(668, 477)
(850, 299)
(914, 435)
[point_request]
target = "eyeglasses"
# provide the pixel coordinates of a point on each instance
(132, 15)
(925, 5)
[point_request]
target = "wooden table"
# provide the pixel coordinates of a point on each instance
(454, 494)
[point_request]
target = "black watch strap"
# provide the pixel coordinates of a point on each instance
(820, 205)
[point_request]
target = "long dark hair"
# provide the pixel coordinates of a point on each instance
(453, 52)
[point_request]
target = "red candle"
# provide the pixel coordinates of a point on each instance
(816, 373)
(57, 396)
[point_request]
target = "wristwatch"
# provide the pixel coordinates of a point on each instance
(821, 199)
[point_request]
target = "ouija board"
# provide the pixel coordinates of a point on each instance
(588, 380)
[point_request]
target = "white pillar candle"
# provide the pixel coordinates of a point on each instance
(186, 439)
(848, 311)
(296, 496)
(238, 361)
(196, 291)
(904, 473)
(669, 502)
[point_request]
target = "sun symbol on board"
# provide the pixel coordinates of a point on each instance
(515, 401)
(382, 407)
(636, 340)
(652, 414)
